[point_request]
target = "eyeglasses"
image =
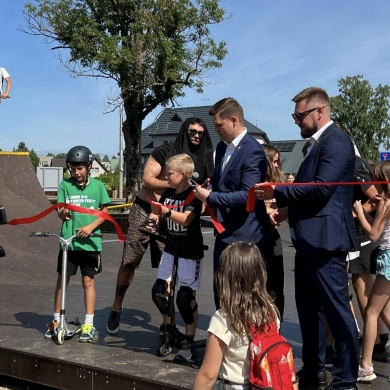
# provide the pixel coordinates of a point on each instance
(193, 133)
(300, 116)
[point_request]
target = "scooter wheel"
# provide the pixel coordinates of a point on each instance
(60, 336)
(164, 349)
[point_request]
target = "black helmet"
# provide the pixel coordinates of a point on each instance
(79, 154)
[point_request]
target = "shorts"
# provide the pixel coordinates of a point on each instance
(383, 263)
(90, 263)
(365, 262)
(189, 271)
(136, 242)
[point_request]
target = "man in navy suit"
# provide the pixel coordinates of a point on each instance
(240, 162)
(322, 231)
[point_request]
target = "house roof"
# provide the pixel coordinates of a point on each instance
(290, 154)
(59, 162)
(170, 120)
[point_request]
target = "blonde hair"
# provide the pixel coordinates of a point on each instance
(241, 281)
(181, 163)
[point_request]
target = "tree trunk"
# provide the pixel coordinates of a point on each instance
(132, 154)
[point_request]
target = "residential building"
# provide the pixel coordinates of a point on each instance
(166, 127)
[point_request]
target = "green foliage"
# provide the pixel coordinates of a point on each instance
(364, 112)
(33, 156)
(34, 159)
(21, 147)
(113, 157)
(106, 158)
(61, 155)
(110, 180)
(152, 49)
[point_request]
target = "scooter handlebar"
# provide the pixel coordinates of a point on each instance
(95, 235)
(39, 234)
(47, 234)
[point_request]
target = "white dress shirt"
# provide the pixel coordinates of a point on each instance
(231, 147)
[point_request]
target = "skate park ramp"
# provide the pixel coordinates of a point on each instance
(27, 259)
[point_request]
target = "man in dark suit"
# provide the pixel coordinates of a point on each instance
(322, 231)
(240, 162)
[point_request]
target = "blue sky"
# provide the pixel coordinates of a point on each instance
(276, 48)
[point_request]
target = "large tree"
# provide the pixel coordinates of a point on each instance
(364, 112)
(153, 49)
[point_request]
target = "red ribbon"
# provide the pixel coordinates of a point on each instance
(191, 196)
(83, 210)
(250, 206)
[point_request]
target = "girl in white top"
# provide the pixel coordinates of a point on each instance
(241, 282)
(378, 301)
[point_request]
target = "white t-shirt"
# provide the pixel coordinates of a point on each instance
(3, 75)
(235, 361)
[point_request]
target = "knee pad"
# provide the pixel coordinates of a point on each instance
(183, 300)
(159, 296)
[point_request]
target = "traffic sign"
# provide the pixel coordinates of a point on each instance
(384, 156)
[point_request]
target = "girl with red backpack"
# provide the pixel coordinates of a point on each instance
(246, 311)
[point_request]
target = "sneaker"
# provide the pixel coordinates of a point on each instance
(87, 333)
(113, 321)
(379, 353)
(187, 355)
(51, 332)
(366, 374)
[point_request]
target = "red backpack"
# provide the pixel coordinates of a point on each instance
(271, 362)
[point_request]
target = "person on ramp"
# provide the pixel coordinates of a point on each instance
(4, 76)
(183, 239)
(84, 252)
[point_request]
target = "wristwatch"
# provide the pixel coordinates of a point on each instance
(167, 214)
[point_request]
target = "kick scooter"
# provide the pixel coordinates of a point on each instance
(63, 332)
(170, 338)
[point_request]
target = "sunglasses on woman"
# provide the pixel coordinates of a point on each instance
(193, 133)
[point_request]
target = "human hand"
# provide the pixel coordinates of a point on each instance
(152, 223)
(64, 214)
(206, 183)
(357, 207)
(84, 231)
(264, 191)
(376, 198)
(277, 216)
(201, 193)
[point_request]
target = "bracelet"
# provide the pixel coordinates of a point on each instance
(167, 214)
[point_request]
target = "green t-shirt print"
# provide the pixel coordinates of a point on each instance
(92, 196)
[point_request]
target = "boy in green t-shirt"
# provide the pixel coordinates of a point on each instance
(84, 251)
